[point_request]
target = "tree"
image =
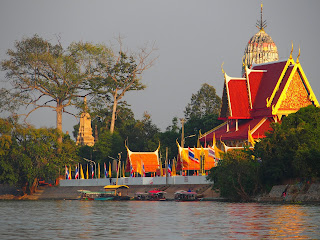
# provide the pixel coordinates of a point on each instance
(29, 154)
(291, 149)
(118, 74)
(204, 102)
(43, 75)
(237, 175)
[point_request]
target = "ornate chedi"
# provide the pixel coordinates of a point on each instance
(264, 94)
(260, 48)
(85, 130)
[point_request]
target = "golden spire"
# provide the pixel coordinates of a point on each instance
(262, 24)
(222, 68)
(291, 50)
(298, 55)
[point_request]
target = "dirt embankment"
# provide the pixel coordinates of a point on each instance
(296, 193)
(60, 193)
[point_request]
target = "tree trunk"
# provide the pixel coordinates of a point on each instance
(59, 122)
(114, 109)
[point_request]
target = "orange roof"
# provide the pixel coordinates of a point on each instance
(188, 164)
(150, 160)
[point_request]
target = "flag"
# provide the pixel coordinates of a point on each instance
(131, 171)
(161, 171)
(211, 153)
(105, 170)
(98, 170)
(169, 170)
(92, 172)
(70, 173)
(143, 170)
(250, 138)
(110, 173)
(139, 168)
(174, 173)
(76, 176)
(81, 172)
(123, 173)
(191, 155)
(87, 171)
(67, 172)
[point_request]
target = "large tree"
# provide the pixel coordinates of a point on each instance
(204, 102)
(43, 75)
(117, 74)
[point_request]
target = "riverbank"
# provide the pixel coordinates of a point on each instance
(294, 193)
(70, 193)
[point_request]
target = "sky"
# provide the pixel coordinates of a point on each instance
(193, 38)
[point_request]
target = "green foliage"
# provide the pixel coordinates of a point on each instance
(292, 149)
(44, 75)
(204, 102)
(236, 176)
(30, 154)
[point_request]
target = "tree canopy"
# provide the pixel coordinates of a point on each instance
(204, 102)
(28, 154)
(292, 148)
(43, 75)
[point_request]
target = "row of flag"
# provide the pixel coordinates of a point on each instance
(80, 175)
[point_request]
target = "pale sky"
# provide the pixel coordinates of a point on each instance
(193, 39)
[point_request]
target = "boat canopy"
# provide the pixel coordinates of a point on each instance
(115, 186)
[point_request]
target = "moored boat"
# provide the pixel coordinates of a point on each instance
(184, 196)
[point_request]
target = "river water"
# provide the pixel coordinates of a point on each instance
(157, 220)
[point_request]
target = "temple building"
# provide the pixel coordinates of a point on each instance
(85, 130)
(143, 162)
(264, 94)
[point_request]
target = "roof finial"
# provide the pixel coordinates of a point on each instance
(291, 50)
(263, 23)
(222, 68)
(298, 55)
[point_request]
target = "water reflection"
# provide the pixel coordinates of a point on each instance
(157, 220)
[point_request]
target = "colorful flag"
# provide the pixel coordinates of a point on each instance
(192, 156)
(81, 172)
(105, 170)
(169, 170)
(143, 170)
(92, 172)
(70, 173)
(123, 173)
(87, 171)
(67, 172)
(98, 170)
(139, 168)
(110, 173)
(131, 171)
(76, 176)
(211, 152)
(174, 173)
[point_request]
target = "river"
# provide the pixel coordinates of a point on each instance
(157, 220)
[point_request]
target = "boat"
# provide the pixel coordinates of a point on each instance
(156, 195)
(185, 196)
(111, 194)
(142, 196)
(90, 196)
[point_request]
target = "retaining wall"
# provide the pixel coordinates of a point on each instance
(135, 181)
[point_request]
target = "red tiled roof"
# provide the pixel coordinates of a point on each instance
(267, 83)
(238, 97)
